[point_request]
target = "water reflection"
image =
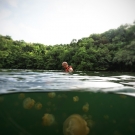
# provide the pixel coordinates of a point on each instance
(28, 81)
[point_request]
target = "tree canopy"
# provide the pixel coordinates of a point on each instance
(112, 50)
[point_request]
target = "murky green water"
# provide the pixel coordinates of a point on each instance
(44, 112)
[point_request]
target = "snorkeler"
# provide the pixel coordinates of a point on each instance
(67, 67)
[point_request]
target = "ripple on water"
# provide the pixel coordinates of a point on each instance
(28, 80)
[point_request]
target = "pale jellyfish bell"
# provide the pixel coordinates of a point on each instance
(51, 94)
(75, 98)
(38, 106)
(28, 103)
(1, 99)
(88, 119)
(21, 96)
(85, 108)
(75, 125)
(48, 119)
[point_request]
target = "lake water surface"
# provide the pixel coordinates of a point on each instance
(38, 102)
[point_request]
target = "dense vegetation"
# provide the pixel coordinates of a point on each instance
(112, 50)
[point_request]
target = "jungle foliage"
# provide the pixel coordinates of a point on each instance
(113, 50)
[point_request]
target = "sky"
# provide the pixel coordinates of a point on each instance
(52, 22)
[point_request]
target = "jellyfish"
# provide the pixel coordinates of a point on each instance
(16, 103)
(116, 133)
(132, 121)
(114, 121)
(38, 106)
(90, 123)
(75, 125)
(51, 94)
(48, 119)
(1, 99)
(86, 107)
(123, 96)
(48, 110)
(106, 117)
(28, 103)
(59, 96)
(21, 96)
(88, 119)
(64, 96)
(49, 103)
(75, 98)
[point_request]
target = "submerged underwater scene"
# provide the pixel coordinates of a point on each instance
(45, 113)
(65, 112)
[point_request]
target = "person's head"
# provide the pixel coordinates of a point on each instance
(65, 64)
